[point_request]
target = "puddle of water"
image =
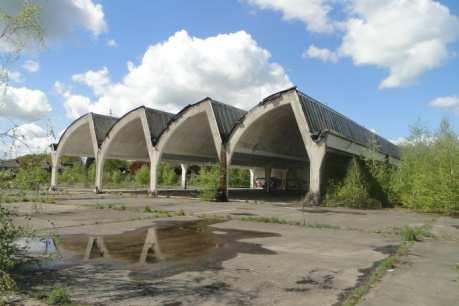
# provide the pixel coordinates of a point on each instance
(167, 248)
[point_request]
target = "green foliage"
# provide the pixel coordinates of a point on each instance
(31, 178)
(207, 181)
(276, 220)
(354, 190)
(77, 174)
(239, 178)
(59, 296)
(9, 232)
(142, 176)
(409, 233)
(167, 175)
(428, 177)
(116, 177)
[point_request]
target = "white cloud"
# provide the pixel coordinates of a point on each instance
(62, 17)
(112, 43)
(75, 105)
(24, 103)
(449, 102)
(31, 66)
(8, 76)
(314, 13)
(399, 140)
(182, 70)
(322, 54)
(98, 81)
(25, 139)
(406, 37)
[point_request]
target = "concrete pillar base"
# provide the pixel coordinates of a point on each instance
(52, 189)
(313, 199)
(97, 190)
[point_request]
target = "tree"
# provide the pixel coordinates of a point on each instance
(17, 33)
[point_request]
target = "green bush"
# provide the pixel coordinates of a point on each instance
(9, 232)
(31, 178)
(76, 174)
(354, 190)
(142, 176)
(59, 296)
(167, 175)
(208, 182)
(239, 178)
(116, 177)
(428, 176)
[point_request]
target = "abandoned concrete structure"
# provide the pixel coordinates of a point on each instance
(287, 135)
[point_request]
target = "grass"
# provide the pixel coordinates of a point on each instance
(416, 233)
(111, 206)
(15, 199)
(59, 296)
(161, 213)
(375, 276)
(277, 220)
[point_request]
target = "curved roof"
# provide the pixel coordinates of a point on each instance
(102, 124)
(225, 115)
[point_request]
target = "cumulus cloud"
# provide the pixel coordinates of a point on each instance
(31, 66)
(60, 18)
(406, 37)
(25, 139)
(314, 13)
(322, 54)
(112, 43)
(399, 140)
(182, 70)
(448, 102)
(24, 103)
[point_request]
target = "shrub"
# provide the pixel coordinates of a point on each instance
(142, 176)
(167, 175)
(59, 296)
(428, 176)
(239, 178)
(353, 191)
(116, 177)
(208, 181)
(9, 232)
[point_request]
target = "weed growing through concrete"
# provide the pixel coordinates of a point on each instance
(59, 296)
(376, 275)
(276, 220)
(161, 213)
(409, 233)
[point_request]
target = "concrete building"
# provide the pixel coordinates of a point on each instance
(288, 134)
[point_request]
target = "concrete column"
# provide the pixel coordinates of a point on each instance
(184, 177)
(252, 178)
(268, 171)
(315, 175)
(54, 168)
(153, 188)
(284, 179)
(99, 174)
(222, 193)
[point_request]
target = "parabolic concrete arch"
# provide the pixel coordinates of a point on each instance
(323, 131)
(199, 134)
(81, 138)
(276, 129)
(132, 137)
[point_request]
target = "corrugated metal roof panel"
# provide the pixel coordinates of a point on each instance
(322, 118)
(227, 116)
(102, 124)
(157, 122)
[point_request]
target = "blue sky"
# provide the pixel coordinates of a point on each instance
(339, 80)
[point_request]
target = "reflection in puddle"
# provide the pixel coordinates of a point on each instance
(167, 248)
(145, 245)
